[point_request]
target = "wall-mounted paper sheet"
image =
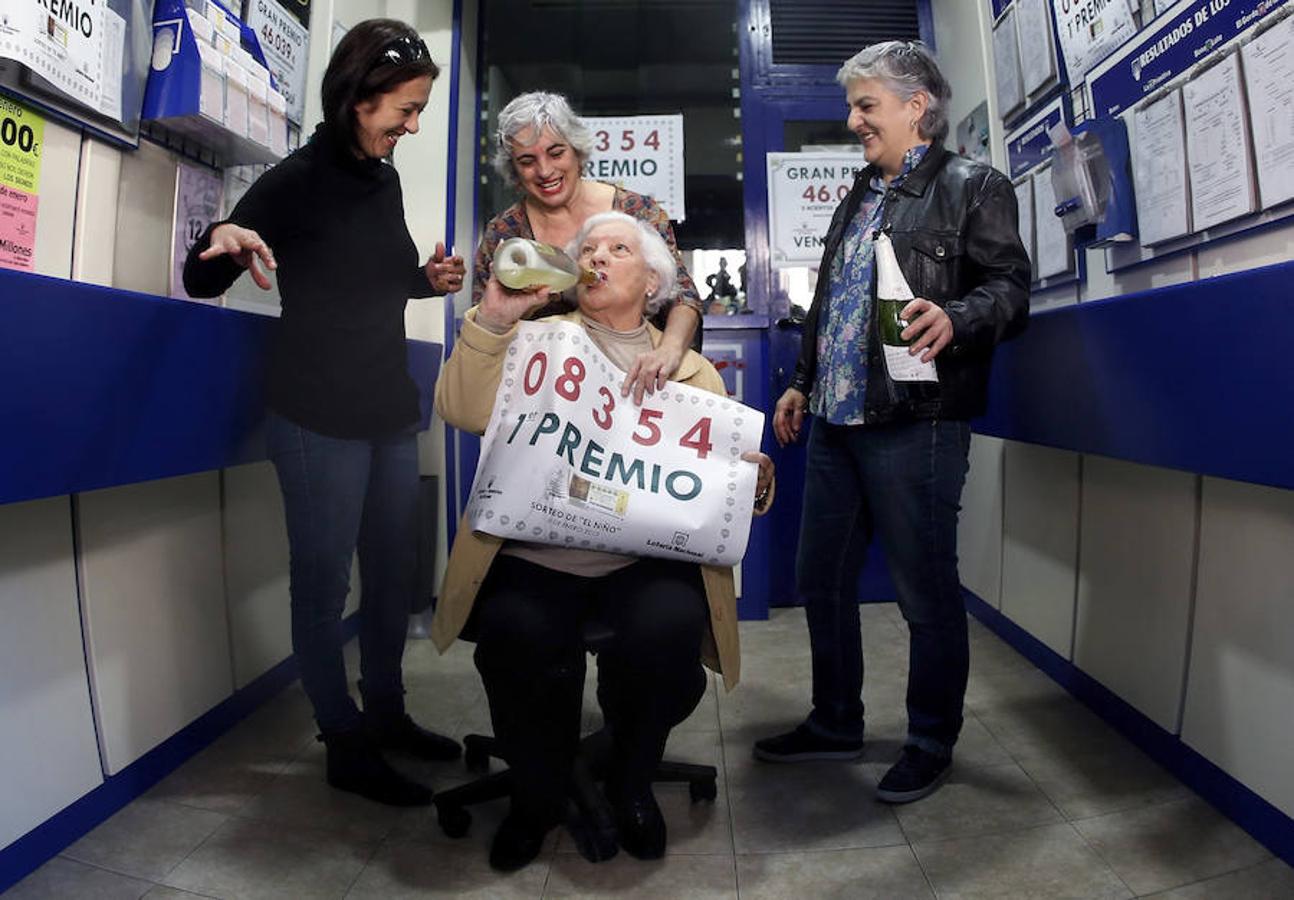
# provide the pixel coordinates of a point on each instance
(1159, 171)
(1006, 65)
(1269, 82)
(1024, 201)
(1037, 51)
(1055, 253)
(1217, 145)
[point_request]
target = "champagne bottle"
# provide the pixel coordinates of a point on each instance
(916, 380)
(521, 263)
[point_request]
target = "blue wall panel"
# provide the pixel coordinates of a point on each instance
(1196, 376)
(102, 387)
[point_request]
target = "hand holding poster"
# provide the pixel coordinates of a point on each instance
(566, 461)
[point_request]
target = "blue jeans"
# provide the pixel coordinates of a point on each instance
(340, 496)
(902, 483)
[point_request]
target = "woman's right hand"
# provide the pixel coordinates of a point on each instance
(500, 308)
(244, 245)
(788, 416)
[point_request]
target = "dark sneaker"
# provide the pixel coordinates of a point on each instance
(917, 774)
(802, 745)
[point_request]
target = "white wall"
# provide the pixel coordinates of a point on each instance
(1174, 591)
(183, 582)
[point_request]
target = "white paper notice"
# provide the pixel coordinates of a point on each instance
(564, 461)
(1054, 253)
(1006, 65)
(286, 45)
(1037, 55)
(1269, 82)
(1217, 145)
(642, 153)
(891, 285)
(1159, 171)
(1024, 202)
(114, 43)
(804, 190)
(1090, 30)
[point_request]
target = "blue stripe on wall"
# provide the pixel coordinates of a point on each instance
(105, 387)
(1196, 376)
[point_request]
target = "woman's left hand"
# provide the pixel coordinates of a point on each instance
(765, 478)
(931, 323)
(651, 370)
(445, 273)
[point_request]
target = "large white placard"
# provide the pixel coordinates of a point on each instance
(566, 461)
(1006, 65)
(1037, 49)
(1090, 30)
(1159, 171)
(286, 44)
(1217, 145)
(804, 190)
(1269, 83)
(63, 42)
(643, 154)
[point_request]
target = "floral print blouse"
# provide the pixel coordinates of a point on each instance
(841, 382)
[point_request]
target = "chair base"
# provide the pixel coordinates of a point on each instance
(591, 823)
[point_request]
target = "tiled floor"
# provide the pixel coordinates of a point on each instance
(1045, 802)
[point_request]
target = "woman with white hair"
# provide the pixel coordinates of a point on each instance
(527, 602)
(540, 149)
(888, 457)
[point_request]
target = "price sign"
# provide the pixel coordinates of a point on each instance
(21, 134)
(641, 153)
(286, 45)
(804, 190)
(567, 461)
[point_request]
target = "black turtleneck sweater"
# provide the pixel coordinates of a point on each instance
(346, 267)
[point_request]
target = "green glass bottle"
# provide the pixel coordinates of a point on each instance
(914, 380)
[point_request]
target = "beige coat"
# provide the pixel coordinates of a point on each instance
(465, 399)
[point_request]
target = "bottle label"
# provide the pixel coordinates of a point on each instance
(902, 366)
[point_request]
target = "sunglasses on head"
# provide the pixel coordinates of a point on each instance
(403, 51)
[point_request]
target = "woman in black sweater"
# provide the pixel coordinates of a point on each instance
(343, 409)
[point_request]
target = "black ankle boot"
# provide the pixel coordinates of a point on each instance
(640, 825)
(403, 735)
(355, 765)
(515, 844)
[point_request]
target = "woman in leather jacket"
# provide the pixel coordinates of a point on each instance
(885, 458)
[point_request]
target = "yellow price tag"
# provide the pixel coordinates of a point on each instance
(22, 132)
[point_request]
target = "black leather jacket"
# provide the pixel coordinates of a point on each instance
(954, 227)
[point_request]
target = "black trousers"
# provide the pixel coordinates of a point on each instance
(528, 623)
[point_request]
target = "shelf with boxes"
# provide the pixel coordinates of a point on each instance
(209, 83)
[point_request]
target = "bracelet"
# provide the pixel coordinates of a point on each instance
(761, 498)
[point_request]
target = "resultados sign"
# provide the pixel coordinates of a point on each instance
(641, 153)
(567, 461)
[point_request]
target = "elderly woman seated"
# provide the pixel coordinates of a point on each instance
(527, 602)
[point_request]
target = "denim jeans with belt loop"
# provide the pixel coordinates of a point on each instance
(340, 496)
(901, 483)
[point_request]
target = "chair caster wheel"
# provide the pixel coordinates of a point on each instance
(454, 820)
(703, 790)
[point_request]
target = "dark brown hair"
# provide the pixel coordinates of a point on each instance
(375, 57)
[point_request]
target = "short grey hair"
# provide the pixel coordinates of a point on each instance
(907, 67)
(534, 111)
(655, 252)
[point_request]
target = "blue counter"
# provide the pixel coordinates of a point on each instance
(104, 387)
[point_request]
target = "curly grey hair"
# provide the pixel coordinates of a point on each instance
(532, 112)
(907, 67)
(654, 250)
